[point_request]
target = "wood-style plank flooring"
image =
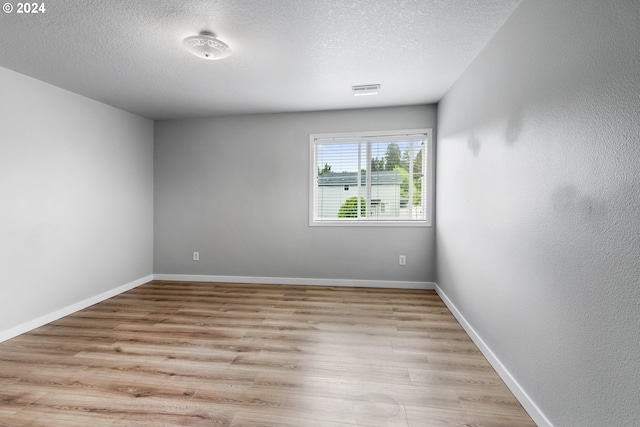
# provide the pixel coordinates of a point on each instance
(203, 354)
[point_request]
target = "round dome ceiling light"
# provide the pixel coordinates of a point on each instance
(207, 46)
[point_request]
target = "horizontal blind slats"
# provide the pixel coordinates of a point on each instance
(345, 181)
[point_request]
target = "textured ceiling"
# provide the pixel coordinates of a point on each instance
(288, 55)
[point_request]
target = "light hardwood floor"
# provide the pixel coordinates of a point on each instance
(203, 354)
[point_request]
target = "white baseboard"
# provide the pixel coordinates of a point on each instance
(48, 318)
(527, 403)
(296, 281)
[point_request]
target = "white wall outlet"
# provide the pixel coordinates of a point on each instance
(402, 260)
(196, 256)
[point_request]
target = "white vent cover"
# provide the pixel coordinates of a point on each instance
(365, 90)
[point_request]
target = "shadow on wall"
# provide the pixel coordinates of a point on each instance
(567, 200)
(511, 134)
(514, 126)
(474, 145)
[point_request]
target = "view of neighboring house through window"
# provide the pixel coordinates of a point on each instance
(371, 178)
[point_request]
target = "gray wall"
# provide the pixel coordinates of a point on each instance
(236, 190)
(76, 185)
(538, 205)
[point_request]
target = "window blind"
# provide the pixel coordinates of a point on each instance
(369, 178)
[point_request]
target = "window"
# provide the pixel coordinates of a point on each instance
(371, 178)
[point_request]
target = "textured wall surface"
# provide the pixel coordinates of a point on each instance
(538, 205)
(76, 185)
(236, 190)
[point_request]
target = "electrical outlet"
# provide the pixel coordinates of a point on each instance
(196, 256)
(402, 260)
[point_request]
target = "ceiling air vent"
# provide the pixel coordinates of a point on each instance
(365, 90)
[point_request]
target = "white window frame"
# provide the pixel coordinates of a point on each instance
(427, 186)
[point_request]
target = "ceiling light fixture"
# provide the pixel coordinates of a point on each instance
(207, 46)
(365, 90)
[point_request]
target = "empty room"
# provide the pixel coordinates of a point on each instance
(327, 213)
